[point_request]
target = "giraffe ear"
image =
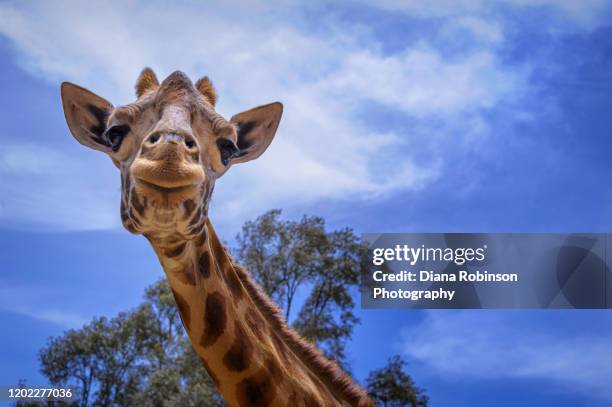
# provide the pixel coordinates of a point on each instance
(86, 115)
(256, 129)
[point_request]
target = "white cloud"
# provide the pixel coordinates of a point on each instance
(482, 29)
(16, 299)
(429, 9)
(498, 345)
(58, 317)
(585, 12)
(486, 22)
(327, 147)
(57, 190)
(28, 159)
(421, 82)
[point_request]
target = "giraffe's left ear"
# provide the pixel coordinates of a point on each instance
(86, 115)
(256, 129)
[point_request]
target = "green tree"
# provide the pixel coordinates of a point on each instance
(327, 316)
(104, 360)
(143, 357)
(391, 386)
(286, 256)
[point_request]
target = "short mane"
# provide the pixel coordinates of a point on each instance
(338, 381)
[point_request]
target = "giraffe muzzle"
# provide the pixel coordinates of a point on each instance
(168, 161)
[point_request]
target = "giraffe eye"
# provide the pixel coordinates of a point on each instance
(115, 135)
(228, 150)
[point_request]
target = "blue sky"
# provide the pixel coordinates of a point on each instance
(399, 116)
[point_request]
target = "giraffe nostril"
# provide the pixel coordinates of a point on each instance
(175, 139)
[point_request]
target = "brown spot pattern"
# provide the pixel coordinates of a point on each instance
(125, 219)
(184, 310)
(239, 356)
(204, 264)
(200, 240)
(176, 250)
(255, 322)
(215, 319)
(233, 282)
(196, 217)
(189, 206)
(256, 391)
(198, 230)
(275, 371)
(311, 400)
(137, 205)
(126, 182)
(220, 254)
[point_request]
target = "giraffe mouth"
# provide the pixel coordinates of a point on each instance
(167, 175)
(163, 189)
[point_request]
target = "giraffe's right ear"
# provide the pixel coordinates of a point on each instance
(86, 115)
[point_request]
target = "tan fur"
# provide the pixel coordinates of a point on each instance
(206, 88)
(170, 158)
(327, 370)
(146, 82)
(307, 374)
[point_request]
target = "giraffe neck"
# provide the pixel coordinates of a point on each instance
(239, 335)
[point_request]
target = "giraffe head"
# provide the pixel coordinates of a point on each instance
(170, 146)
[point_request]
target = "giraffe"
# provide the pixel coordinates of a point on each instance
(170, 147)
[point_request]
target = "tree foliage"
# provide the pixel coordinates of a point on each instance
(143, 357)
(391, 386)
(286, 256)
(140, 358)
